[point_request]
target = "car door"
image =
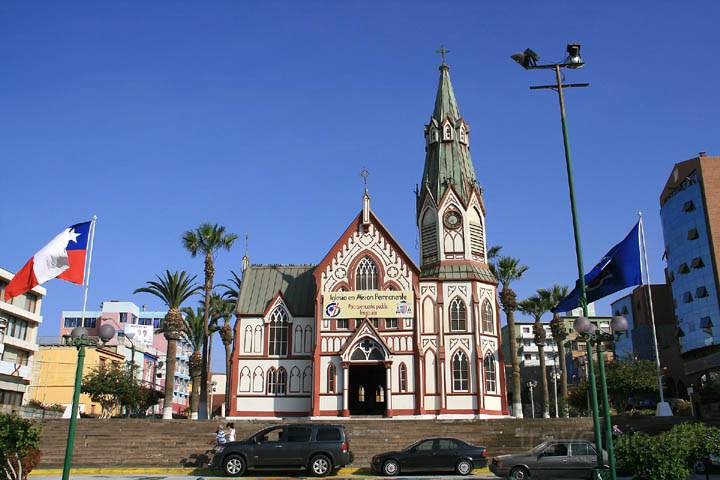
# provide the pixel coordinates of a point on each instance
(269, 450)
(296, 445)
(419, 458)
(446, 454)
(583, 458)
(553, 462)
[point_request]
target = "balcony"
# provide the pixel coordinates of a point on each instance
(14, 370)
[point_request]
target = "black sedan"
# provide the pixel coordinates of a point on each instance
(432, 455)
(550, 460)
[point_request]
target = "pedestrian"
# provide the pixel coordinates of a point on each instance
(220, 435)
(231, 432)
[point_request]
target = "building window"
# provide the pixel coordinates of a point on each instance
(8, 397)
(375, 322)
(331, 378)
(526, 329)
(490, 381)
(341, 323)
(460, 372)
(487, 317)
(447, 132)
(693, 234)
(15, 356)
(706, 325)
(90, 322)
(528, 356)
(391, 323)
(277, 381)
(366, 275)
(71, 322)
(683, 268)
(701, 292)
(688, 206)
(687, 297)
(123, 317)
(458, 315)
(16, 328)
(403, 378)
(697, 262)
(278, 338)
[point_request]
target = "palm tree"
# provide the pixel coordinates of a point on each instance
(507, 270)
(554, 296)
(194, 333)
(174, 288)
(227, 333)
(207, 239)
(536, 306)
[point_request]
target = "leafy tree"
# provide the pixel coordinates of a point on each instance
(536, 306)
(109, 385)
(507, 270)
(174, 289)
(142, 398)
(19, 442)
(207, 240)
(554, 295)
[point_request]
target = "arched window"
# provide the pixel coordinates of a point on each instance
(298, 339)
(257, 343)
(307, 341)
(366, 275)
(487, 317)
(458, 315)
(460, 372)
(248, 340)
(331, 378)
(277, 381)
(258, 380)
(245, 380)
(307, 379)
(294, 386)
(447, 132)
(403, 381)
(278, 341)
(490, 379)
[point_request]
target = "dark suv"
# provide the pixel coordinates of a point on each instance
(318, 448)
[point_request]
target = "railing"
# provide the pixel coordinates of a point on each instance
(29, 412)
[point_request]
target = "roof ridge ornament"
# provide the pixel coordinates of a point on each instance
(364, 173)
(442, 51)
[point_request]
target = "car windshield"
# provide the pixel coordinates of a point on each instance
(539, 448)
(257, 434)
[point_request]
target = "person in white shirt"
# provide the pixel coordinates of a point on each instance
(231, 432)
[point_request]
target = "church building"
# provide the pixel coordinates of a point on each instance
(367, 330)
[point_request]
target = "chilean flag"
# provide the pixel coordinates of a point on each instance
(63, 257)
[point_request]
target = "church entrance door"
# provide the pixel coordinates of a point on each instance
(367, 389)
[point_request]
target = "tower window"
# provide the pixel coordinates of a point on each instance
(697, 262)
(688, 206)
(683, 268)
(331, 378)
(458, 315)
(460, 374)
(403, 381)
(447, 132)
(490, 377)
(693, 234)
(366, 275)
(488, 321)
(701, 292)
(278, 334)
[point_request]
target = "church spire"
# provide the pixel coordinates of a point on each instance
(447, 136)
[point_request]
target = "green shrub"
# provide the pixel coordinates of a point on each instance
(19, 440)
(667, 456)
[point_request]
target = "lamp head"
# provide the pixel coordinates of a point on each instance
(619, 324)
(78, 332)
(130, 335)
(582, 325)
(106, 332)
(574, 60)
(526, 59)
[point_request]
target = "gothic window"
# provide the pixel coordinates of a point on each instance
(460, 374)
(248, 340)
(278, 334)
(361, 394)
(487, 317)
(477, 234)
(331, 378)
(367, 350)
(307, 379)
(257, 342)
(428, 316)
(258, 380)
(447, 132)
(294, 380)
(430, 379)
(454, 242)
(490, 379)
(245, 379)
(428, 235)
(277, 381)
(366, 275)
(463, 134)
(458, 315)
(403, 381)
(307, 341)
(379, 394)
(298, 339)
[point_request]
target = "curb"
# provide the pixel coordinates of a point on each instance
(181, 470)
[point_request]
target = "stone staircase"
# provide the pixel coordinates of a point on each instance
(176, 443)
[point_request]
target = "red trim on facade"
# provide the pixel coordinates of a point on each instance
(248, 413)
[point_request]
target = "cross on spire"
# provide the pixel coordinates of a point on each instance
(442, 53)
(364, 173)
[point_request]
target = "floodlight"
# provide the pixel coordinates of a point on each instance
(574, 60)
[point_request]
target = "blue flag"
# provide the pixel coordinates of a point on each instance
(618, 269)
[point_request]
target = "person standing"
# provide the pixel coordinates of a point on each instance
(231, 432)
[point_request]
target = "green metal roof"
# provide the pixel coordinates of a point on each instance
(447, 162)
(262, 282)
(465, 271)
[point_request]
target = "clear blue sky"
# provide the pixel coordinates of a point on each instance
(157, 116)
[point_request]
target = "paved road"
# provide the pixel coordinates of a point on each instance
(293, 477)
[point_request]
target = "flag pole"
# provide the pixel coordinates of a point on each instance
(663, 408)
(86, 285)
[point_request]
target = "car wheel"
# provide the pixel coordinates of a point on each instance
(464, 467)
(519, 473)
(234, 465)
(390, 468)
(320, 466)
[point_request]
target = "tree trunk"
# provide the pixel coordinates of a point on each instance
(195, 394)
(517, 400)
(228, 377)
(544, 382)
(564, 412)
(169, 378)
(209, 272)
(208, 376)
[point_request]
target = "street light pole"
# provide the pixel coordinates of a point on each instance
(531, 385)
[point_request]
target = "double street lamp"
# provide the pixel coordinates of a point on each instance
(80, 339)
(531, 385)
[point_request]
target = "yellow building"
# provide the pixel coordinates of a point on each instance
(53, 375)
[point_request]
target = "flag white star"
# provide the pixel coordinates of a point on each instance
(72, 236)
